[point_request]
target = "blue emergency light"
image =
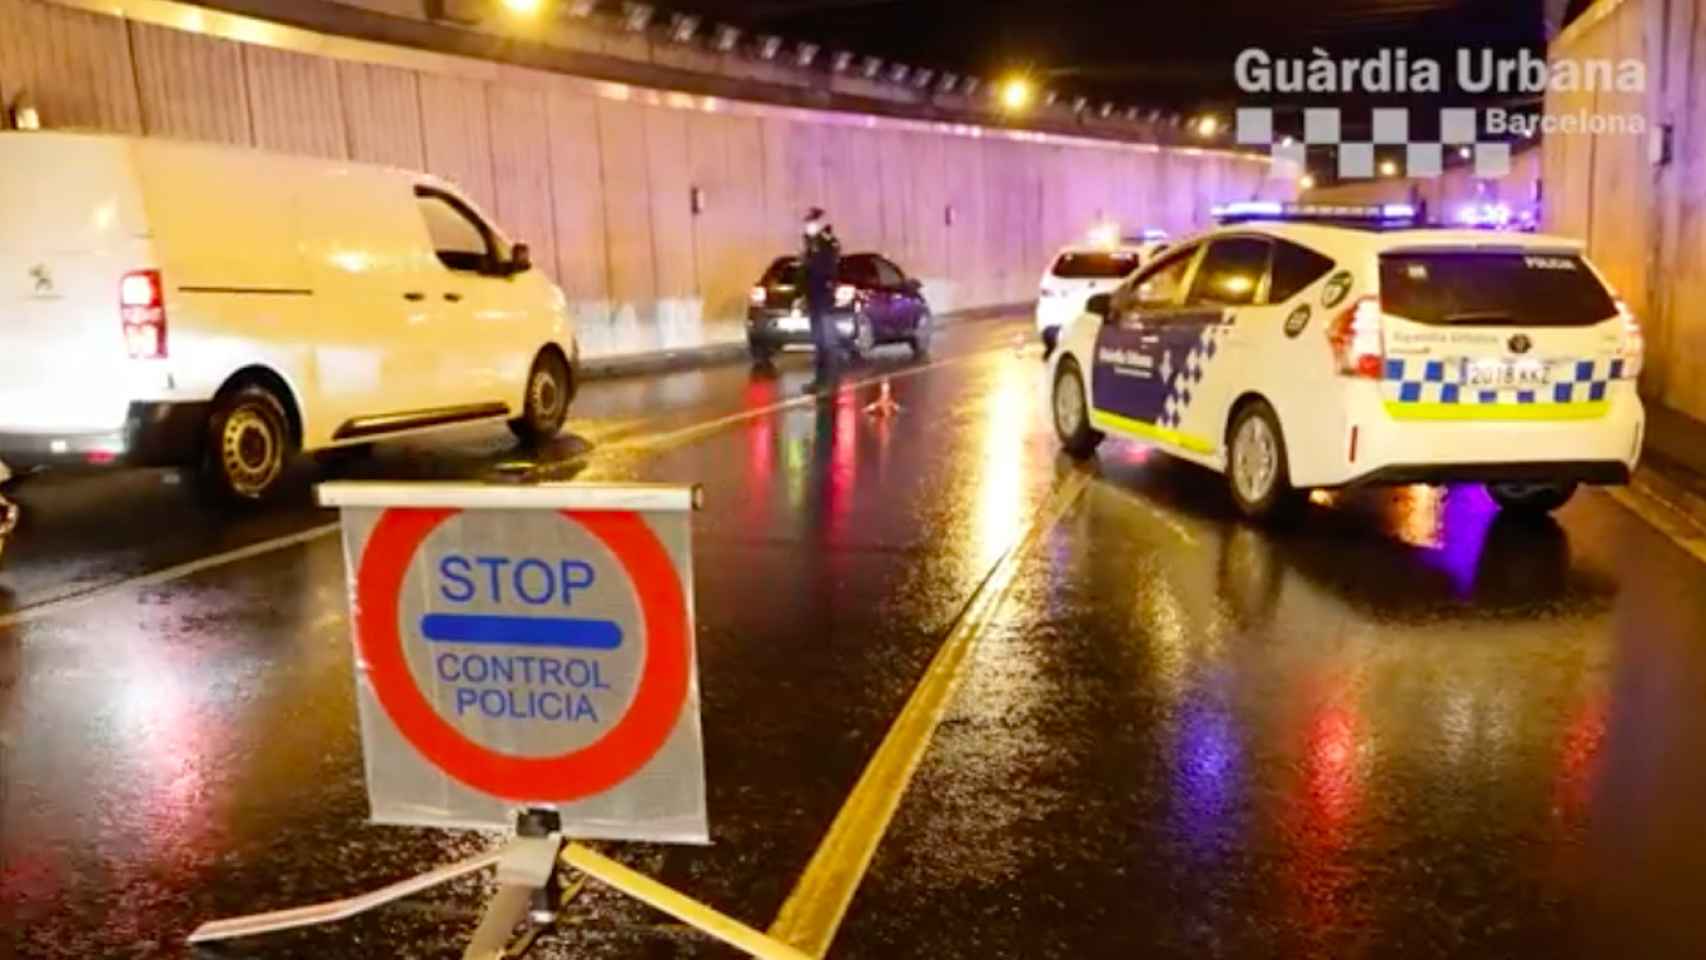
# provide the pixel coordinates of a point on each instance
(1364, 215)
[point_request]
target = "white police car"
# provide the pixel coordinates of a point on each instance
(1294, 351)
(1080, 271)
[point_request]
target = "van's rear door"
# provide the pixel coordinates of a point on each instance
(71, 225)
(1499, 333)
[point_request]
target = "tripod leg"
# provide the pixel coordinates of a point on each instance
(506, 909)
(337, 909)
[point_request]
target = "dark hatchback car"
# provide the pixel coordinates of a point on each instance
(875, 303)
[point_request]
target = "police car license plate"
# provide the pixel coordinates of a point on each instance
(1506, 373)
(793, 321)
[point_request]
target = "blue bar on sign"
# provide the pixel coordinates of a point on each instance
(568, 632)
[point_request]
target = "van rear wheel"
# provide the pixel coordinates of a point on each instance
(549, 390)
(248, 445)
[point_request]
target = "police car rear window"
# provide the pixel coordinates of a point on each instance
(1095, 266)
(1509, 289)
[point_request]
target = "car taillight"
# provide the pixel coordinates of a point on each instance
(758, 296)
(1631, 344)
(1359, 347)
(844, 295)
(142, 311)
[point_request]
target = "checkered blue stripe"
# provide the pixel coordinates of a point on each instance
(1183, 385)
(1423, 380)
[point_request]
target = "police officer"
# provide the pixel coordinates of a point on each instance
(821, 263)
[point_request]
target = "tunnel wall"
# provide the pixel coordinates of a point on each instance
(599, 176)
(1643, 223)
(1446, 194)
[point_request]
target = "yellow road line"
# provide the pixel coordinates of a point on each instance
(678, 905)
(820, 898)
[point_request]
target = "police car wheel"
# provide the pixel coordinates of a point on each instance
(1072, 412)
(1256, 467)
(549, 391)
(248, 445)
(1531, 498)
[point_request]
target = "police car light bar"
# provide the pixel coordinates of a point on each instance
(1243, 210)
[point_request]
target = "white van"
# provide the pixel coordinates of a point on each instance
(167, 303)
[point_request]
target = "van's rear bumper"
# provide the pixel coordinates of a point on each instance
(153, 435)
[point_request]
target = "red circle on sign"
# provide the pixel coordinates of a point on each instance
(592, 769)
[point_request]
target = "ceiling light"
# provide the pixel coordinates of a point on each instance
(682, 27)
(637, 16)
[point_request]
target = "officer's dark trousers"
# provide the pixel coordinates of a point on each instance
(826, 342)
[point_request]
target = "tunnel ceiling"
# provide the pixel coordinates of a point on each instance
(1150, 54)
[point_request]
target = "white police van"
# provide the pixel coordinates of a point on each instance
(1300, 347)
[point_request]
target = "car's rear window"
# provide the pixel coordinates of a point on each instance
(1507, 289)
(785, 271)
(1095, 266)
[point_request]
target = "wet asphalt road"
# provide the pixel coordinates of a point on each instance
(1404, 727)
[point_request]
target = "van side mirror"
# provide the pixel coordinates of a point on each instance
(1101, 305)
(520, 259)
(912, 285)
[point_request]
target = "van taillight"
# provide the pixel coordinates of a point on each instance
(1359, 347)
(142, 310)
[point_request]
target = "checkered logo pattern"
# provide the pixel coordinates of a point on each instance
(1183, 384)
(1423, 380)
(1459, 129)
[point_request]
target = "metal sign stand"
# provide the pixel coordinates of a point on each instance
(527, 889)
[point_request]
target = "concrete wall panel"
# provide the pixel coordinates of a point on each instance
(577, 196)
(678, 306)
(458, 134)
(521, 159)
(295, 103)
(382, 114)
(190, 86)
(628, 222)
(74, 66)
(731, 246)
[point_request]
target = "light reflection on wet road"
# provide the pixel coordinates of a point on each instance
(1407, 726)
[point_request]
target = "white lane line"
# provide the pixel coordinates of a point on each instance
(659, 441)
(819, 901)
(1161, 516)
(1662, 515)
(681, 435)
(62, 604)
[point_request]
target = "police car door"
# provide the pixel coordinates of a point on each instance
(1129, 382)
(1216, 340)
